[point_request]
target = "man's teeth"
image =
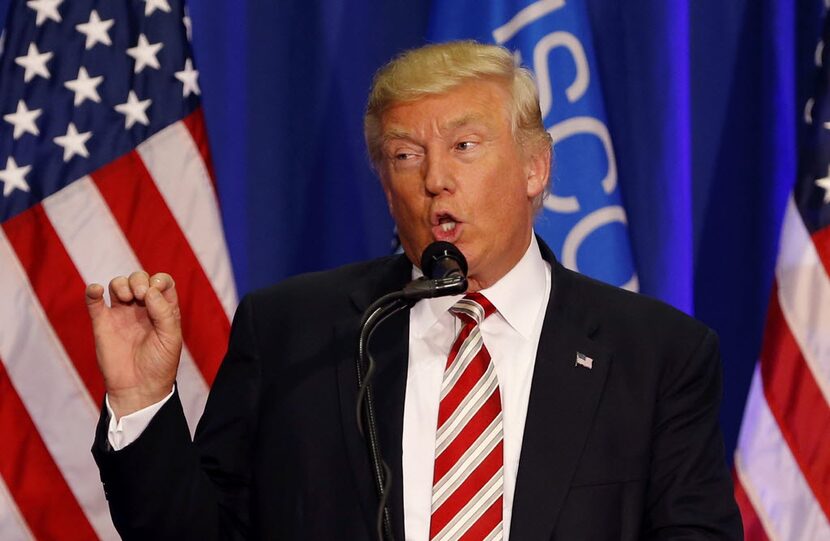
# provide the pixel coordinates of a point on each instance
(447, 226)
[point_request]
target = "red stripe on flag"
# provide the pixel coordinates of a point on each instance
(796, 402)
(34, 481)
(59, 288)
(821, 240)
(195, 124)
(753, 529)
(160, 245)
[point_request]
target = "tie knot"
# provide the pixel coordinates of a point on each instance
(474, 306)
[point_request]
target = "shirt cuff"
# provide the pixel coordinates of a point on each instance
(130, 427)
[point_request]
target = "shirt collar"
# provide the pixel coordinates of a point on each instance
(518, 296)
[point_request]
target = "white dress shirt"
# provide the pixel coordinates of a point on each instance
(127, 429)
(511, 335)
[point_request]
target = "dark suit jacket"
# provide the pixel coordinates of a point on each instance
(628, 449)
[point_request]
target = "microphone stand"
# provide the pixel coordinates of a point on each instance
(378, 312)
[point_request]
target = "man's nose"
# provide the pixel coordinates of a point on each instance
(438, 175)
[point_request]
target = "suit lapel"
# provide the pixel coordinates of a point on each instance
(564, 397)
(390, 348)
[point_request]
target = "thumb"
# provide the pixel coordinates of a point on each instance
(163, 314)
(95, 304)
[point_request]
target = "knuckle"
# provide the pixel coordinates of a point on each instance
(162, 280)
(138, 275)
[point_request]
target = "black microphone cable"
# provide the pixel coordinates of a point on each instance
(377, 313)
(447, 269)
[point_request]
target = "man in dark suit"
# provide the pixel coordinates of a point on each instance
(543, 406)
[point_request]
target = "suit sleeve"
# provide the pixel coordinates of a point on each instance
(690, 493)
(163, 485)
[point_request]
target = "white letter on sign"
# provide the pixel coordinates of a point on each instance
(575, 126)
(586, 226)
(533, 12)
(540, 65)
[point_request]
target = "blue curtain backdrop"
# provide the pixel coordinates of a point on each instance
(701, 98)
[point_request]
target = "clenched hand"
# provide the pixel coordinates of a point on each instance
(138, 338)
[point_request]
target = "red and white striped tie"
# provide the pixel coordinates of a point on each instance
(469, 450)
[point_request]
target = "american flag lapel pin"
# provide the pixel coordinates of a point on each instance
(584, 360)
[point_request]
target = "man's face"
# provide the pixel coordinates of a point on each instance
(452, 171)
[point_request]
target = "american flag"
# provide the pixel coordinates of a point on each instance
(104, 169)
(782, 463)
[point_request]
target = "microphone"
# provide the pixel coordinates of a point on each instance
(442, 259)
(445, 273)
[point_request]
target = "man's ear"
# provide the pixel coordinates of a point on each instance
(537, 171)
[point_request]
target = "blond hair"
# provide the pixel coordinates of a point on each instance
(437, 69)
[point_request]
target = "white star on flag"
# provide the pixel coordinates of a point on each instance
(34, 62)
(189, 77)
(145, 54)
(46, 9)
(134, 110)
(824, 183)
(23, 120)
(73, 142)
(96, 30)
(85, 87)
(14, 177)
(152, 5)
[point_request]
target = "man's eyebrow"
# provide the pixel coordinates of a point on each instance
(393, 134)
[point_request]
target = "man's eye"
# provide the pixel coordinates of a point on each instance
(401, 156)
(465, 145)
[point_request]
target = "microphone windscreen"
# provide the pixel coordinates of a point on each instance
(440, 258)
